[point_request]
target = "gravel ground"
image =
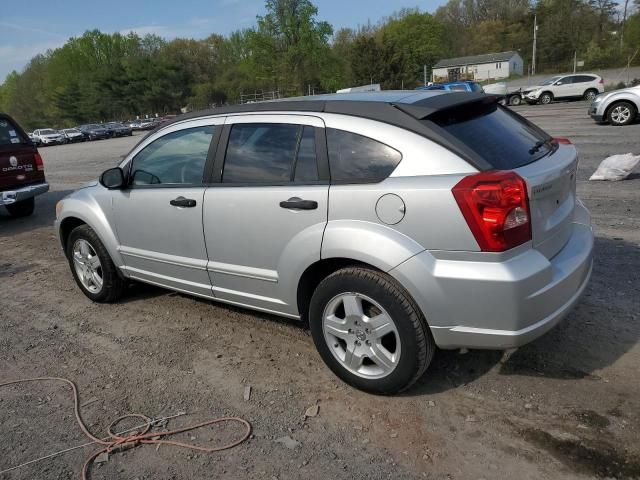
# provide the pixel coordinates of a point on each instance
(564, 406)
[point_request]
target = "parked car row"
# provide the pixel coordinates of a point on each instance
(81, 133)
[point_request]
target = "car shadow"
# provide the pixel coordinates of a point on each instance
(43, 215)
(601, 329)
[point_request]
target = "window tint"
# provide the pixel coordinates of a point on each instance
(502, 138)
(583, 79)
(176, 158)
(260, 153)
(354, 158)
(307, 164)
(9, 135)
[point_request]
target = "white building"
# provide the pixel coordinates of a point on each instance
(478, 67)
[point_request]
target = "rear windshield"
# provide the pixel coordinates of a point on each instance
(503, 139)
(9, 135)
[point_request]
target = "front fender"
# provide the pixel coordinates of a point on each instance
(368, 242)
(622, 96)
(93, 208)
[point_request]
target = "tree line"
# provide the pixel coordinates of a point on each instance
(100, 76)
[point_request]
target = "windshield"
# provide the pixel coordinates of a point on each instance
(48, 131)
(551, 80)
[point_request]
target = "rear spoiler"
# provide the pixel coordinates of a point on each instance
(423, 109)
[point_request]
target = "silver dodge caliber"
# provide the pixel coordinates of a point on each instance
(392, 222)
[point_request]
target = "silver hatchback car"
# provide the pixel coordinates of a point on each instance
(392, 222)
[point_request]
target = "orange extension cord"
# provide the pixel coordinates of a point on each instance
(120, 443)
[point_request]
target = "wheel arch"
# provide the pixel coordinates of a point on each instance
(82, 208)
(616, 101)
(548, 92)
(354, 243)
(315, 273)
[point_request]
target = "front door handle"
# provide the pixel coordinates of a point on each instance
(296, 203)
(183, 202)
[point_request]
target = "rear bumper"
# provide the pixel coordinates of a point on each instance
(12, 196)
(499, 305)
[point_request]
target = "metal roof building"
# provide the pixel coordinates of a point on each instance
(479, 67)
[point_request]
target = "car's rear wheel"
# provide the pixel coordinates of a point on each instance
(546, 98)
(590, 94)
(621, 113)
(92, 267)
(369, 331)
(23, 208)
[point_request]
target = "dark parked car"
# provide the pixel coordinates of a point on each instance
(93, 131)
(117, 129)
(21, 169)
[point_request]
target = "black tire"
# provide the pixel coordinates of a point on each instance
(416, 342)
(515, 100)
(114, 285)
(615, 113)
(590, 94)
(23, 208)
(546, 98)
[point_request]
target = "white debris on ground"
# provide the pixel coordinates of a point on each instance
(616, 167)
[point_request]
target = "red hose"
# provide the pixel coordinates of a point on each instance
(145, 437)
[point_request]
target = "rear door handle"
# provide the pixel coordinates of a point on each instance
(183, 202)
(296, 203)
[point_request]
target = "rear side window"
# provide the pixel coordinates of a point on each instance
(583, 79)
(9, 135)
(502, 138)
(270, 153)
(355, 158)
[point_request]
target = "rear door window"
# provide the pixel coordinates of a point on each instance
(270, 153)
(9, 135)
(502, 138)
(355, 158)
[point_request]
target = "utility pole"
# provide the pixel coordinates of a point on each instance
(425, 75)
(535, 38)
(575, 60)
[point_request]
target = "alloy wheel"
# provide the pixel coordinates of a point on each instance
(87, 265)
(620, 114)
(361, 335)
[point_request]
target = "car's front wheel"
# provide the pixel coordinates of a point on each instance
(92, 267)
(546, 98)
(23, 208)
(621, 113)
(369, 331)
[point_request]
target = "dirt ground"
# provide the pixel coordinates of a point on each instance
(564, 406)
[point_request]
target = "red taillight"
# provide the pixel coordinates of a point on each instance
(561, 140)
(601, 81)
(496, 208)
(39, 162)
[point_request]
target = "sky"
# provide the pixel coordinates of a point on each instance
(45, 24)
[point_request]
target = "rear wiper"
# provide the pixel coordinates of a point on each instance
(537, 146)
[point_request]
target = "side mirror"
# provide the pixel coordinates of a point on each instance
(558, 83)
(112, 179)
